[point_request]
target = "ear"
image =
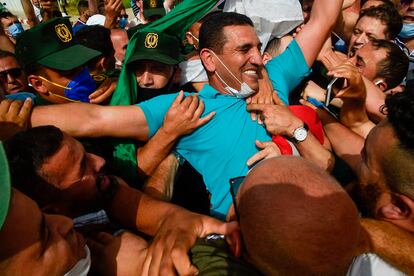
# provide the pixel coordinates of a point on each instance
(401, 207)
(208, 60)
(381, 84)
(37, 84)
(266, 57)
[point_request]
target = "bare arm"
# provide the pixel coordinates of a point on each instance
(89, 120)
(314, 34)
(28, 9)
(346, 143)
(175, 229)
(388, 241)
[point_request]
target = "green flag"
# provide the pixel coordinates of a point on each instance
(174, 23)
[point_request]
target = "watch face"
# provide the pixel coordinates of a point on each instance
(300, 134)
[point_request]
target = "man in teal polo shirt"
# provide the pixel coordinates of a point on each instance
(230, 54)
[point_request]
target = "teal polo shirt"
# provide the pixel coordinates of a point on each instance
(220, 149)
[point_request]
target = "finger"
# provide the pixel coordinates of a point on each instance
(4, 106)
(206, 119)
(260, 145)
(105, 95)
(178, 99)
(276, 99)
(193, 104)
(257, 157)
(181, 260)
(25, 109)
(199, 110)
(157, 254)
(256, 107)
(249, 100)
(14, 108)
(253, 115)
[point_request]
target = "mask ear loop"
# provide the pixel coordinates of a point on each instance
(54, 83)
(228, 70)
(63, 97)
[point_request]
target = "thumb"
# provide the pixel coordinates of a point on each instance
(260, 145)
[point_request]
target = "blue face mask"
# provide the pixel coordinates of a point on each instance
(78, 89)
(15, 29)
(123, 22)
(407, 31)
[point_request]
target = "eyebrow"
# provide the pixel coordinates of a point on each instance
(248, 46)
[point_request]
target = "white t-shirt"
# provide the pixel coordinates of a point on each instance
(371, 265)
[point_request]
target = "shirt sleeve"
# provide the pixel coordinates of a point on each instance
(287, 70)
(155, 110)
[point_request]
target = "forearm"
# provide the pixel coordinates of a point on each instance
(312, 150)
(353, 115)
(154, 151)
(28, 9)
(345, 143)
(323, 18)
(390, 242)
(160, 184)
(89, 120)
(5, 43)
(134, 209)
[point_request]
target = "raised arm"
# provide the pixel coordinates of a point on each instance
(314, 34)
(89, 120)
(28, 9)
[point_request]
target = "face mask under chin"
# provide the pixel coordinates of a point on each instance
(245, 90)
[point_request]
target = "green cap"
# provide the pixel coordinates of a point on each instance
(153, 7)
(157, 46)
(5, 186)
(52, 44)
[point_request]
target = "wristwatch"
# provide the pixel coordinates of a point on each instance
(300, 134)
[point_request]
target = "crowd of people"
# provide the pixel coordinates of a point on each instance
(207, 137)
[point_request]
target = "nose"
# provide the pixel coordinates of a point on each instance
(256, 57)
(97, 162)
(10, 78)
(146, 79)
(362, 39)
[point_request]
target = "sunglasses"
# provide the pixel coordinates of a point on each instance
(14, 73)
(235, 184)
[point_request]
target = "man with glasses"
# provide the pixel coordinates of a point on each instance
(13, 75)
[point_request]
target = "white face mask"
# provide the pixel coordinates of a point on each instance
(82, 267)
(245, 89)
(192, 71)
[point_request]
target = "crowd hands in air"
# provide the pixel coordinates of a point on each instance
(189, 139)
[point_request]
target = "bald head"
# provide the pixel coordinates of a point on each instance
(296, 219)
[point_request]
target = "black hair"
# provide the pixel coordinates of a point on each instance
(6, 14)
(211, 31)
(27, 151)
(388, 15)
(394, 67)
(96, 37)
(83, 4)
(400, 113)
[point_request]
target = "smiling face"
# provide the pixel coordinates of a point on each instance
(34, 243)
(241, 55)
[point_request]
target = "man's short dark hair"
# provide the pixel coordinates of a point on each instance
(394, 67)
(27, 151)
(82, 5)
(389, 16)
(211, 31)
(6, 14)
(400, 114)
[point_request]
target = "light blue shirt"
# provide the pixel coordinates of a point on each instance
(220, 149)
